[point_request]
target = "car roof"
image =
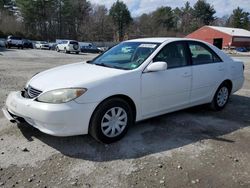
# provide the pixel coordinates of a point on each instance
(160, 39)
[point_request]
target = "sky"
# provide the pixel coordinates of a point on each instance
(138, 7)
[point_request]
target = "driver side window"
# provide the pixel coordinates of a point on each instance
(174, 54)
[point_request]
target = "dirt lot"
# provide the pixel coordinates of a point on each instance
(191, 148)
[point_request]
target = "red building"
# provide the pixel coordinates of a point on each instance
(222, 36)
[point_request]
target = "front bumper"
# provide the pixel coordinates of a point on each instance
(45, 47)
(65, 119)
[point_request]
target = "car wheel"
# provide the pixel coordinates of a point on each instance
(65, 51)
(77, 52)
(57, 49)
(111, 120)
(221, 97)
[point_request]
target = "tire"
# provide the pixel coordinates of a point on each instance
(221, 97)
(66, 51)
(106, 130)
(77, 52)
(57, 49)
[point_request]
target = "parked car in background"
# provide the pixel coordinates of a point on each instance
(133, 81)
(52, 45)
(2, 42)
(68, 46)
(103, 48)
(42, 45)
(27, 43)
(89, 48)
(241, 49)
(14, 42)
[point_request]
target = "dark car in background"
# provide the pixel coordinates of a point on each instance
(241, 49)
(14, 42)
(89, 48)
(27, 44)
(52, 45)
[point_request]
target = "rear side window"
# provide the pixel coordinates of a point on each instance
(73, 42)
(202, 54)
(174, 54)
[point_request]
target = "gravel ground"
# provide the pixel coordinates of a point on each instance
(190, 148)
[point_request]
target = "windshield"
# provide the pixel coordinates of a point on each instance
(127, 55)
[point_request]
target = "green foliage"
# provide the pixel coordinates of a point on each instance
(81, 20)
(50, 19)
(164, 17)
(121, 17)
(239, 19)
(204, 12)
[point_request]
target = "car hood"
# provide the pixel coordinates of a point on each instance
(73, 75)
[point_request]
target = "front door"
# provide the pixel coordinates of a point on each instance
(167, 90)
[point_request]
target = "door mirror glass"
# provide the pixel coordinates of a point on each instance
(157, 66)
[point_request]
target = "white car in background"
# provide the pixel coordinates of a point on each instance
(133, 81)
(42, 45)
(68, 46)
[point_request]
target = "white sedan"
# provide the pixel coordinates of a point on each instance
(42, 45)
(105, 96)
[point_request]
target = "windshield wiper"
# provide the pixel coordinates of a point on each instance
(111, 66)
(103, 64)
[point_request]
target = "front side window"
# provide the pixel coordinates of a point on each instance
(201, 54)
(174, 54)
(127, 55)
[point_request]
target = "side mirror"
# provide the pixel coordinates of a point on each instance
(157, 66)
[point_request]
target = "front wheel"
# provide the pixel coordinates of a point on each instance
(111, 120)
(221, 97)
(66, 51)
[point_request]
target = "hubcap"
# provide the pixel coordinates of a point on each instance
(114, 122)
(222, 96)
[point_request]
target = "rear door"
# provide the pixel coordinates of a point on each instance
(208, 72)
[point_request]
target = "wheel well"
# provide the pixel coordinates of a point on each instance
(125, 98)
(228, 83)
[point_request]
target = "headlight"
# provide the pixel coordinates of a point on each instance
(61, 95)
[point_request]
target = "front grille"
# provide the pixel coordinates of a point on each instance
(32, 92)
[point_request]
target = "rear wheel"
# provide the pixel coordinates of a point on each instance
(221, 97)
(57, 49)
(111, 120)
